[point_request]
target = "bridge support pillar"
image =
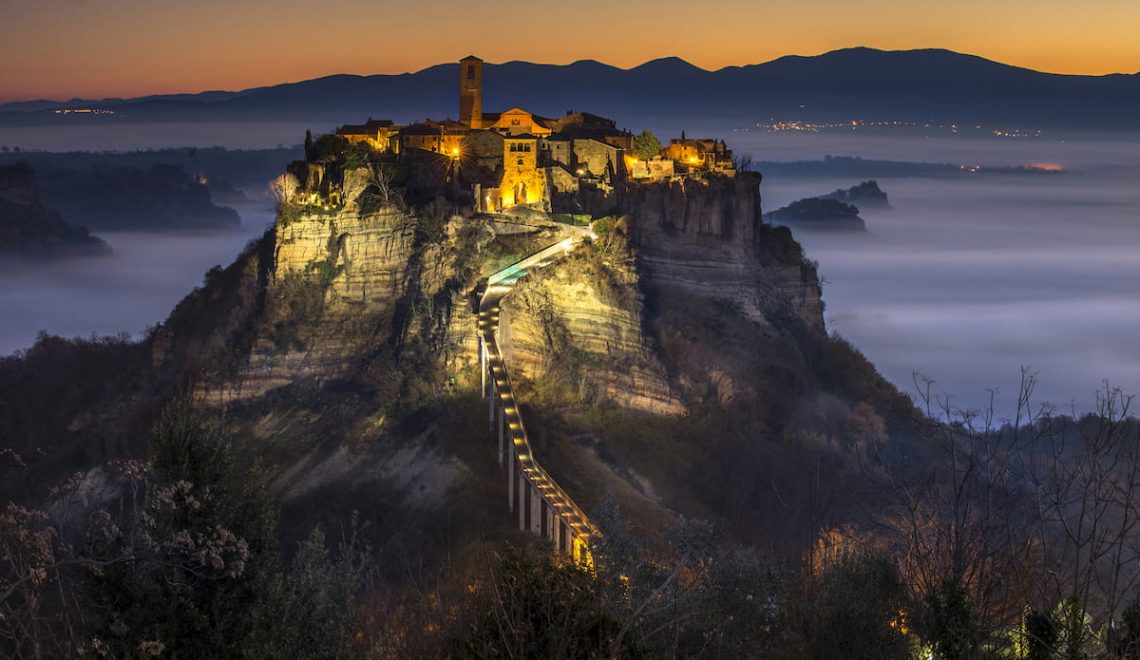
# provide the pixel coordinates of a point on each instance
(482, 368)
(502, 432)
(535, 511)
(511, 474)
(522, 502)
(491, 405)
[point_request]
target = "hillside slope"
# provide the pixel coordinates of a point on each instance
(679, 362)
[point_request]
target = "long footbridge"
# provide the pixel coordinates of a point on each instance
(543, 507)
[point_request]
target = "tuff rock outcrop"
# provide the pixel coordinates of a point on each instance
(707, 238)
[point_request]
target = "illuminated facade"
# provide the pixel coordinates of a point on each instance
(512, 157)
(517, 121)
(700, 154)
(380, 134)
(523, 182)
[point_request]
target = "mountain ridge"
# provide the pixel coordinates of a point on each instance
(927, 83)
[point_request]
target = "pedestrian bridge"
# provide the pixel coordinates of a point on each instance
(543, 507)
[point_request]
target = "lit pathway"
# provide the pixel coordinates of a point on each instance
(543, 507)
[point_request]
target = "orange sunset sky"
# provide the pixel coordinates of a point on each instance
(98, 48)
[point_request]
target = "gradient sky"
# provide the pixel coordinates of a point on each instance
(97, 48)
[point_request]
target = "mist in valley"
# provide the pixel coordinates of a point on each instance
(967, 279)
(127, 292)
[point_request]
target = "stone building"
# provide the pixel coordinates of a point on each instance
(557, 148)
(471, 92)
(380, 134)
(517, 121)
(656, 169)
(701, 154)
(599, 159)
(511, 157)
(482, 157)
(523, 182)
(442, 137)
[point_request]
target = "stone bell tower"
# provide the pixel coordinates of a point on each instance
(471, 92)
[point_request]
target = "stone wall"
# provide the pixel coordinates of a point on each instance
(598, 158)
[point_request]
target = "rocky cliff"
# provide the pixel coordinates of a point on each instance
(706, 238)
(866, 195)
(819, 213)
(578, 327)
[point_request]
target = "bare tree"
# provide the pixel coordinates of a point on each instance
(957, 518)
(283, 188)
(382, 179)
(1085, 473)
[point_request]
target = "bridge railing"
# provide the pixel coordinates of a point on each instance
(519, 268)
(532, 473)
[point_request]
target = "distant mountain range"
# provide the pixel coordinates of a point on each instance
(854, 83)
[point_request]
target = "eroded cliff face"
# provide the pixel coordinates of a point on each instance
(731, 301)
(686, 298)
(577, 326)
(350, 292)
(706, 238)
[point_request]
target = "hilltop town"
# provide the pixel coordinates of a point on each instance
(514, 161)
(461, 339)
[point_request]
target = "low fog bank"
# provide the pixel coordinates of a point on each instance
(128, 292)
(970, 278)
(121, 136)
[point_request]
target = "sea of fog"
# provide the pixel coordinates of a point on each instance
(970, 278)
(965, 281)
(127, 292)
